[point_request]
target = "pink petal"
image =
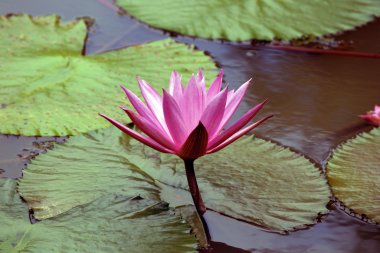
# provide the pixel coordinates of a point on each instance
(365, 116)
(213, 114)
(236, 126)
(237, 135)
(230, 96)
(201, 78)
(201, 82)
(215, 86)
(174, 120)
(151, 121)
(371, 118)
(175, 86)
(377, 109)
(139, 105)
(147, 141)
(233, 104)
(192, 103)
(195, 145)
(151, 130)
(153, 99)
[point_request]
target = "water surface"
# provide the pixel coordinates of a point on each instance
(315, 99)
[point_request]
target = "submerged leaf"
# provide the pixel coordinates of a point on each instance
(244, 20)
(49, 88)
(354, 174)
(253, 180)
(113, 223)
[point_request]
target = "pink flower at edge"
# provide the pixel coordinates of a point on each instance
(188, 121)
(372, 117)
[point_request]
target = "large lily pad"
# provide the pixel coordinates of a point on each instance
(114, 223)
(253, 180)
(83, 169)
(48, 87)
(244, 20)
(259, 182)
(354, 174)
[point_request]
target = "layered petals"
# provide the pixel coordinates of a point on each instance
(174, 119)
(146, 140)
(193, 102)
(153, 100)
(213, 114)
(237, 135)
(175, 86)
(141, 108)
(236, 126)
(150, 129)
(233, 102)
(188, 121)
(215, 86)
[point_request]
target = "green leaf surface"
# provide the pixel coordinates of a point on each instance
(256, 19)
(83, 169)
(354, 174)
(190, 215)
(48, 88)
(256, 181)
(113, 223)
(253, 180)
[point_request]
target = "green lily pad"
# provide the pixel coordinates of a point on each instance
(49, 88)
(253, 180)
(190, 214)
(113, 223)
(245, 20)
(354, 174)
(256, 181)
(83, 169)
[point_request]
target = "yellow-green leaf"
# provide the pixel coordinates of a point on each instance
(48, 88)
(253, 180)
(256, 181)
(113, 223)
(354, 174)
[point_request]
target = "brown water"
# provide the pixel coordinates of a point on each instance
(315, 99)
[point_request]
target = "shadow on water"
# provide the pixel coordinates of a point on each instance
(315, 99)
(338, 233)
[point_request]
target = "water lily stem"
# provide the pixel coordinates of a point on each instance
(193, 186)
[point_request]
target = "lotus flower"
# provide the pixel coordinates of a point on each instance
(372, 116)
(187, 121)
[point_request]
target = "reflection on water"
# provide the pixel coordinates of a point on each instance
(315, 100)
(335, 234)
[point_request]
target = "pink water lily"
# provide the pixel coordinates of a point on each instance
(187, 121)
(372, 117)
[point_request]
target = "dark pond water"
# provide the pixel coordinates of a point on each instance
(315, 98)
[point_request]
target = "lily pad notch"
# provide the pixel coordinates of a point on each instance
(261, 182)
(52, 89)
